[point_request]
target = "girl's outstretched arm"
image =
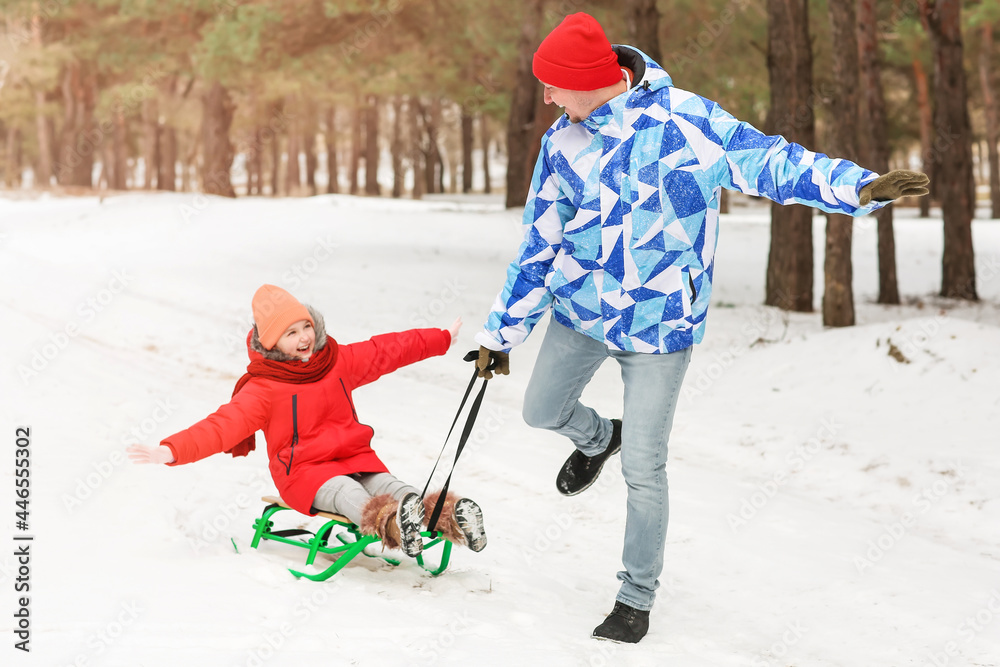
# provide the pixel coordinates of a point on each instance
(145, 454)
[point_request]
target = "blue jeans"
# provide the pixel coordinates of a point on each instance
(567, 360)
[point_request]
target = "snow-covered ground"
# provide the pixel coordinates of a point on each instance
(835, 494)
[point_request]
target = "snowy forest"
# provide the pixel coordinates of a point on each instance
(402, 98)
(833, 473)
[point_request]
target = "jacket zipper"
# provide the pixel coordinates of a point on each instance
(353, 411)
(295, 435)
(349, 401)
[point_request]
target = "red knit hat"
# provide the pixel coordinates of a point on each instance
(576, 56)
(274, 310)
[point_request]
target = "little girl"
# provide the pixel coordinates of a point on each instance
(298, 390)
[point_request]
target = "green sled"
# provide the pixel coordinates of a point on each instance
(352, 542)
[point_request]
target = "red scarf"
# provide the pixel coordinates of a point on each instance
(294, 372)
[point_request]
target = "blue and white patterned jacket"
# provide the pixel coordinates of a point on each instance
(622, 218)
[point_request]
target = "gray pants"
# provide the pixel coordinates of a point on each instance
(348, 494)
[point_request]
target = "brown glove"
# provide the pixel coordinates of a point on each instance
(895, 184)
(487, 355)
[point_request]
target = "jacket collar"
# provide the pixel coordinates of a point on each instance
(649, 76)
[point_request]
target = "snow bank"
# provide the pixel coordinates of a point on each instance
(834, 492)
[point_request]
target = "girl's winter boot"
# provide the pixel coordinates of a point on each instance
(461, 520)
(396, 523)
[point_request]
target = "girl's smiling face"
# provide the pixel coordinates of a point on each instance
(299, 340)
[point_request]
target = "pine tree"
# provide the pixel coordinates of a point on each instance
(875, 128)
(790, 260)
(838, 292)
(953, 162)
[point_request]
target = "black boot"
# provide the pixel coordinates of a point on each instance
(624, 624)
(580, 470)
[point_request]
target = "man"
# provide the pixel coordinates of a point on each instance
(621, 228)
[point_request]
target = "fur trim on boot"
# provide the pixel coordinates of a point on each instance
(379, 518)
(461, 520)
(397, 524)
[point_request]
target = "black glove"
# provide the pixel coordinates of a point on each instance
(486, 355)
(895, 184)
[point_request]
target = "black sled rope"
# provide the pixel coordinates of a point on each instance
(469, 423)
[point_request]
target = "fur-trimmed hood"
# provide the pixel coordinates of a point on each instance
(275, 354)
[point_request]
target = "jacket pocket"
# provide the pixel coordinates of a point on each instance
(295, 437)
(690, 290)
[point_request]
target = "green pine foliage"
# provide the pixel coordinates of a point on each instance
(314, 54)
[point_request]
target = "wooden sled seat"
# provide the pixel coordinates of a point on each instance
(352, 541)
(275, 500)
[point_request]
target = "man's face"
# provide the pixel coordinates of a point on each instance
(575, 103)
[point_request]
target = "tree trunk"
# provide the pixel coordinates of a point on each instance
(643, 20)
(953, 153)
(309, 148)
(416, 147)
(484, 140)
(521, 120)
(789, 64)
(275, 164)
(190, 163)
(330, 136)
(166, 178)
(255, 163)
(150, 142)
(79, 137)
(43, 172)
(876, 128)
(435, 162)
(453, 153)
(432, 156)
(308, 132)
(46, 135)
(356, 128)
(838, 271)
(217, 150)
(977, 162)
(396, 146)
(371, 146)
(926, 134)
(103, 180)
(250, 154)
(12, 167)
(119, 152)
(293, 177)
(992, 122)
(467, 141)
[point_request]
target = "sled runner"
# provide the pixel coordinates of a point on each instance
(352, 542)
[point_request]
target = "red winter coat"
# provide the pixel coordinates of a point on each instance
(312, 430)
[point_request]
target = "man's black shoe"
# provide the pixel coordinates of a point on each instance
(580, 470)
(624, 624)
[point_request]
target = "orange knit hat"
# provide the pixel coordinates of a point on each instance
(274, 310)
